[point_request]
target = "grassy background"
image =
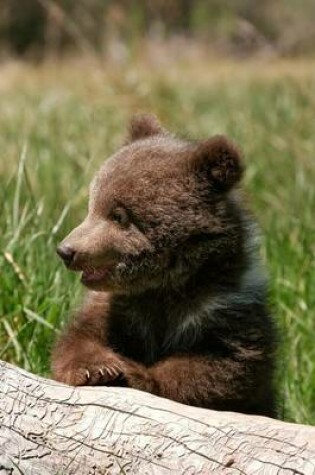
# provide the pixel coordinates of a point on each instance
(58, 122)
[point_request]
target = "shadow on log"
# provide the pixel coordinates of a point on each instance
(49, 428)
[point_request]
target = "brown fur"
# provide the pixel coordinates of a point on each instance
(176, 303)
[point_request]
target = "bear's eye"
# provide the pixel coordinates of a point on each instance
(119, 216)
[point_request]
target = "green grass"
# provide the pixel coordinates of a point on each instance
(57, 124)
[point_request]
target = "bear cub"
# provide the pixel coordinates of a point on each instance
(176, 302)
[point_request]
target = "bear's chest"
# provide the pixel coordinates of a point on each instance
(138, 335)
(151, 332)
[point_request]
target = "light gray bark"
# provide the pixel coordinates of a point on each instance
(48, 428)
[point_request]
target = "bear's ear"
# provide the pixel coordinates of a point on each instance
(142, 126)
(221, 160)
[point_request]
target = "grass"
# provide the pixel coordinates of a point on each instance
(59, 122)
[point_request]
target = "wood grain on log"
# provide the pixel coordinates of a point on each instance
(48, 428)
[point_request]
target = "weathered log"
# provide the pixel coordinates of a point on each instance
(49, 428)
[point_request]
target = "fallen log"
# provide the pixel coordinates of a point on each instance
(47, 428)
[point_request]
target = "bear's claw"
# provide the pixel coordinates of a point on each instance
(96, 374)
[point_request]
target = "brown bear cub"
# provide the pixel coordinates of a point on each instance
(176, 301)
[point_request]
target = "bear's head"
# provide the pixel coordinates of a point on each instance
(160, 210)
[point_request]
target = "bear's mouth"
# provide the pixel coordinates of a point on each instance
(94, 276)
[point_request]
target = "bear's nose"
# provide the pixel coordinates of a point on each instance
(66, 253)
